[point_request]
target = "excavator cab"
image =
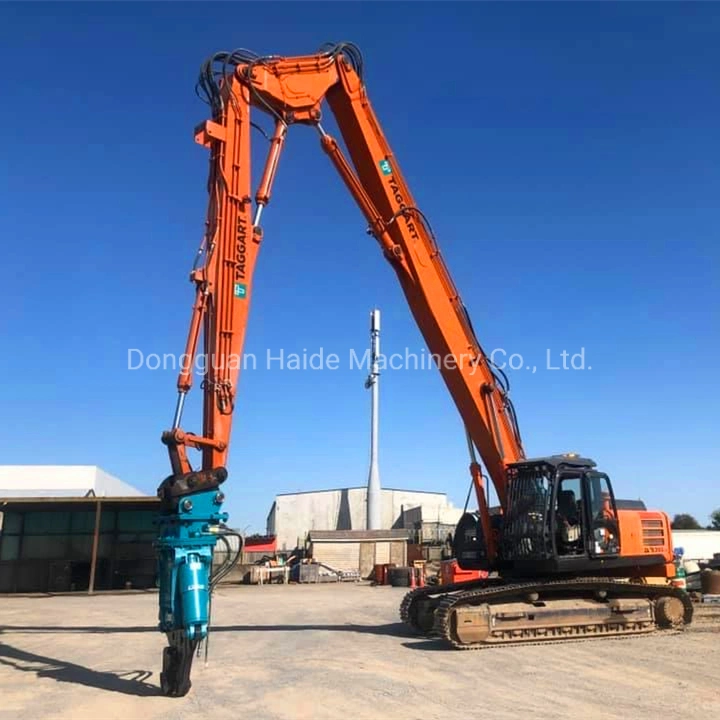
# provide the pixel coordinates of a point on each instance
(561, 518)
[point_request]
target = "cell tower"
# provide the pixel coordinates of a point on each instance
(374, 513)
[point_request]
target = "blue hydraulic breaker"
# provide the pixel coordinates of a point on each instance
(190, 512)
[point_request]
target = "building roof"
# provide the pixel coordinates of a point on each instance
(75, 481)
(78, 492)
(356, 535)
(696, 531)
(359, 487)
(268, 548)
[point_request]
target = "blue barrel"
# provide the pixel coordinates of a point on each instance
(193, 579)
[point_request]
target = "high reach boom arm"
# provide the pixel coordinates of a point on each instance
(292, 90)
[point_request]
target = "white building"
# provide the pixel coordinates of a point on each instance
(697, 545)
(61, 481)
(293, 515)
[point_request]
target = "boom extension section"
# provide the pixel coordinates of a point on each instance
(292, 91)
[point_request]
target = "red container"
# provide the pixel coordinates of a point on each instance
(381, 573)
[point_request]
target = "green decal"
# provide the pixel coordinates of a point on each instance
(240, 290)
(385, 167)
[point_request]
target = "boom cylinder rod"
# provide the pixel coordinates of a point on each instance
(492, 411)
(375, 220)
(481, 490)
(471, 447)
(184, 382)
(179, 409)
(262, 196)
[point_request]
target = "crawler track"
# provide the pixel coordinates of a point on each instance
(606, 608)
(417, 607)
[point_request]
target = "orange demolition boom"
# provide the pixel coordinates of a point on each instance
(561, 546)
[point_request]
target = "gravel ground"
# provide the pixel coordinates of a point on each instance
(332, 651)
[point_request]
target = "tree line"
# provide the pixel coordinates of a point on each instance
(683, 521)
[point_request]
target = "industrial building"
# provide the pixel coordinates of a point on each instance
(294, 515)
(65, 528)
(61, 481)
(430, 524)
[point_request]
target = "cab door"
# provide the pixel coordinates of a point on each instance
(569, 524)
(603, 526)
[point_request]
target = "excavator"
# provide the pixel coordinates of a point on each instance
(563, 558)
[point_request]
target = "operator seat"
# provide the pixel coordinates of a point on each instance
(567, 506)
(568, 523)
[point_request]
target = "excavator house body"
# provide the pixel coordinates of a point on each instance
(572, 562)
(562, 518)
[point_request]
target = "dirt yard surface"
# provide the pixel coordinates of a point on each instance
(332, 651)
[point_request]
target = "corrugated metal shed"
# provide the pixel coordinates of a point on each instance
(359, 550)
(338, 555)
(60, 544)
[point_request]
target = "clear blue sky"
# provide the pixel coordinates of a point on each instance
(566, 154)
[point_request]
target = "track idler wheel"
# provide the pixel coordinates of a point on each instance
(669, 612)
